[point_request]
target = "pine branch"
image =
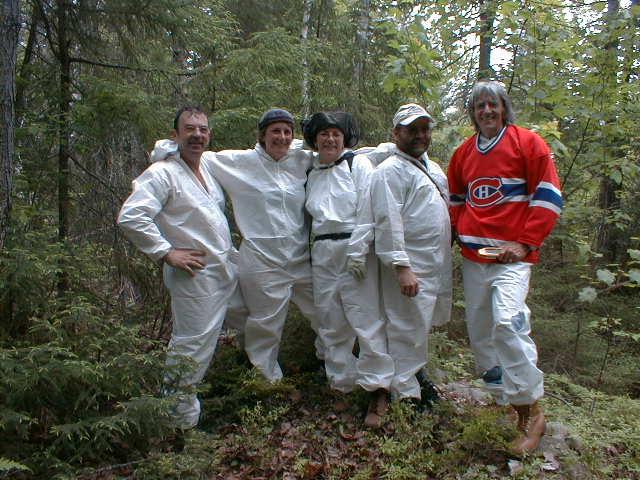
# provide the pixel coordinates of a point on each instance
(99, 473)
(117, 66)
(100, 180)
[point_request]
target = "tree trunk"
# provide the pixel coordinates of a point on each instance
(9, 29)
(362, 44)
(487, 17)
(304, 36)
(64, 106)
(24, 74)
(608, 242)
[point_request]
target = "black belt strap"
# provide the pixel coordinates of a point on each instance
(333, 236)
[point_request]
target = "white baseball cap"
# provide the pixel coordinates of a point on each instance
(409, 113)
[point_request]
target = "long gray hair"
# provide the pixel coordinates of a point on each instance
(496, 91)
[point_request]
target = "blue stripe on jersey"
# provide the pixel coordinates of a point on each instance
(513, 189)
(547, 193)
(473, 246)
(475, 243)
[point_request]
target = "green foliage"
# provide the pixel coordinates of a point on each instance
(485, 435)
(80, 390)
(110, 107)
(614, 278)
(8, 467)
(265, 69)
(81, 371)
(567, 329)
(412, 70)
(257, 420)
(449, 354)
(602, 422)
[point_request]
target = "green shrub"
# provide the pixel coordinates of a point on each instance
(80, 390)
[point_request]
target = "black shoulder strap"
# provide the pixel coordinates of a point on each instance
(307, 177)
(348, 156)
(350, 162)
(422, 167)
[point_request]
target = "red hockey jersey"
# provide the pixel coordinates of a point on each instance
(506, 191)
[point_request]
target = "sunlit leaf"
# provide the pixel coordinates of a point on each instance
(587, 294)
(635, 254)
(634, 275)
(606, 276)
(616, 176)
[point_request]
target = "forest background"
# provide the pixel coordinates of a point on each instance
(89, 85)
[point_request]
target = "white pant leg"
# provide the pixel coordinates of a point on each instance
(517, 354)
(479, 313)
(197, 321)
(409, 321)
(361, 303)
(267, 291)
(499, 328)
(237, 314)
(335, 333)
(303, 298)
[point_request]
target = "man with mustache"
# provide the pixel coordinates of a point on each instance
(175, 216)
(505, 200)
(409, 198)
(266, 185)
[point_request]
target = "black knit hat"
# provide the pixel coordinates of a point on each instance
(343, 121)
(275, 115)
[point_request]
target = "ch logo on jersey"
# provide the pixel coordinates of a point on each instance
(485, 191)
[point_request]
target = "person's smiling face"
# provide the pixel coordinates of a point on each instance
(489, 114)
(277, 139)
(415, 138)
(192, 135)
(330, 143)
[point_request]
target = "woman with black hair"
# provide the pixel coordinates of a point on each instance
(344, 267)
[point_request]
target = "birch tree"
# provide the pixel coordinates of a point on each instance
(362, 44)
(304, 37)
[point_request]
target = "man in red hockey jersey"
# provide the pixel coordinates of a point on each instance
(504, 201)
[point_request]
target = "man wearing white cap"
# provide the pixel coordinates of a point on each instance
(413, 242)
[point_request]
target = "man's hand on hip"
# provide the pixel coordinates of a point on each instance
(185, 259)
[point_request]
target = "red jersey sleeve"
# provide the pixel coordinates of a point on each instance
(545, 198)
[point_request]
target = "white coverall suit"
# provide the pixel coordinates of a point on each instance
(412, 229)
(268, 204)
(169, 208)
(338, 201)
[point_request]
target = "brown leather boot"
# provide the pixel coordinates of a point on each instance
(378, 407)
(531, 424)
